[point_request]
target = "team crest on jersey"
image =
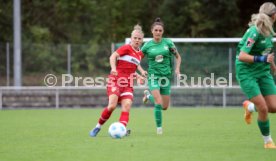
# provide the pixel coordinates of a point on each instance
(250, 42)
(159, 58)
(166, 47)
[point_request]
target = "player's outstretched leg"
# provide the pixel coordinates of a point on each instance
(249, 108)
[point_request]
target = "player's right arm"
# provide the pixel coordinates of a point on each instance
(113, 60)
(245, 53)
(245, 57)
(251, 37)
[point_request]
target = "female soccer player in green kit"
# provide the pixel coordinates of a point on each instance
(159, 52)
(254, 60)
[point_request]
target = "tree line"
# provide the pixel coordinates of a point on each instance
(84, 21)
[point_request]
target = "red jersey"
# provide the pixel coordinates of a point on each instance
(128, 61)
(126, 65)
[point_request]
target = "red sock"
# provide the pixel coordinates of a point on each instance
(124, 118)
(104, 116)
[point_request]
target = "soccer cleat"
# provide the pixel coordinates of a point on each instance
(247, 113)
(94, 132)
(128, 132)
(270, 145)
(159, 131)
(145, 98)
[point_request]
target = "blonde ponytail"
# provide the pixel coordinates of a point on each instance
(263, 24)
(263, 20)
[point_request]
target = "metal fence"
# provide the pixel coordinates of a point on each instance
(84, 97)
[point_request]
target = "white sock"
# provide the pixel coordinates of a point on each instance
(159, 130)
(267, 139)
(98, 125)
(251, 107)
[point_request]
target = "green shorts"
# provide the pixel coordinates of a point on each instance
(253, 86)
(163, 84)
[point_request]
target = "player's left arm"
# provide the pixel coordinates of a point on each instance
(176, 54)
(178, 62)
(272, 65)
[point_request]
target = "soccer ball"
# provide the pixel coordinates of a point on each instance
(117, 130)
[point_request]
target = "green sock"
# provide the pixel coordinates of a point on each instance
(158, 115)
(264, 127)
(151, 98)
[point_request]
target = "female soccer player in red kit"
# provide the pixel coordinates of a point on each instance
(124, 62)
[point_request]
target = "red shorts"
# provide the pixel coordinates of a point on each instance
(123, 91)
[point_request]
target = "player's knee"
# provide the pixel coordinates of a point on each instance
(263, 110)
(126, 107)
(111, 107)
(272, 109)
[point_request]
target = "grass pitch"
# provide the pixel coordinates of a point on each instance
(192, 134)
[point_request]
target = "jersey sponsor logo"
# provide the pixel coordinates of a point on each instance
(166, 47)
(159, 58)
(130, 59)
(135, 61)
(250, 42)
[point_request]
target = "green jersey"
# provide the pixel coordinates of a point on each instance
(254, 43)
(159, 56)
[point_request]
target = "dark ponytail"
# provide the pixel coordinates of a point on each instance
(157, 21)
